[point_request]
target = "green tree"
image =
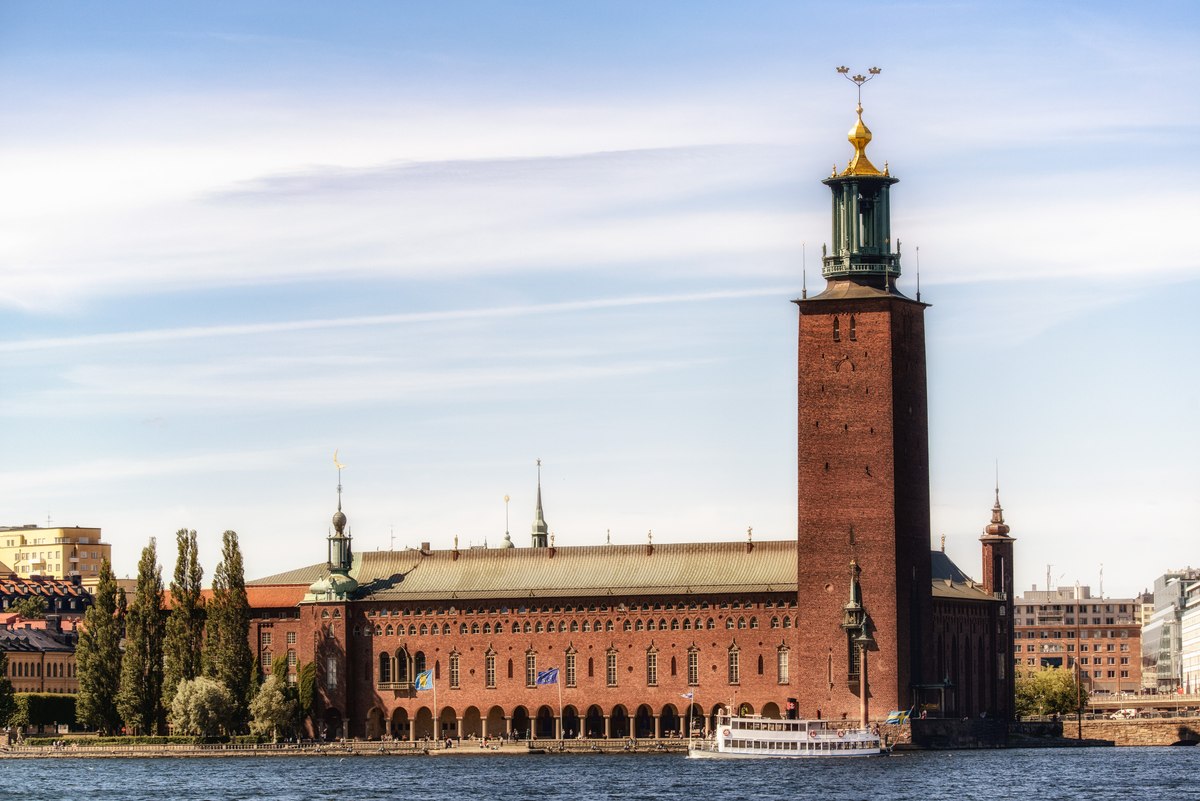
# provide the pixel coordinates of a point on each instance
(30, 608)
(7, 704)
(1049, 691)
(202, 707)
(140, 700)
(273, 710)
(185, 624)
(228, 658)
(98, 658)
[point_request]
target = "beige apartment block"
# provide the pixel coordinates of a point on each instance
(54, 552)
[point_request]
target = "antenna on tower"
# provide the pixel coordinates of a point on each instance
(391, 537)
(803, 271)
(1101, 579)
(919, 298)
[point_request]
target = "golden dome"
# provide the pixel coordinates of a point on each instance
(860, 137)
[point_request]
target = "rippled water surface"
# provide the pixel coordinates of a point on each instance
(1086, 773)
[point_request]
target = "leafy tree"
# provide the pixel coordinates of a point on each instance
(202, 707)
(140, 700)
(1049, 691)
(227, 651)
(32, 607)
(98, 658)
(185, 623)
(7, 704)
(273, 709)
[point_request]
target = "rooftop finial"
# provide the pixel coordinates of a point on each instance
(803, 271)
(860, 135)
(540, 530)
(339, 467)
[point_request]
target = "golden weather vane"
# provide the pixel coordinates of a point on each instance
(859, 79)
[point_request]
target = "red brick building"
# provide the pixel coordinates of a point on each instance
(855, 618)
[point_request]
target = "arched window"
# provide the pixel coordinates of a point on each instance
(711, 624)
(774, 622)
(474, 628)
(424, 629)
(419, 662)
(446, 629)
(735, 671)
(510, 669)
(672, 666)
(651, 625)
(389, 630)
(741, 622)
(753, 622)
(454, 670)
(639, 625)
(787, 622)
(675, 624)
(385, 668)
(662, 624)
(627, 626)
(781, 663)
(837, 330)
(587, 626)
(575, 625)
(760, 664)
(608, 625)
(516, 628)
(687, 624)
(538, 627)
(487, 628)
(462, 628)
(853, 330)
(729, 623)
(526, 627)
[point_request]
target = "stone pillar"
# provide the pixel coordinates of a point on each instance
(508, 725)
(483, 730)
(558, 731)
(657, 727)
(607, 727)
(412, 729)
(458, 728)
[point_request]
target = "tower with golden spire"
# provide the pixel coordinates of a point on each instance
(863, 456)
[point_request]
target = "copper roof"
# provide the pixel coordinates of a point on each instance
(591, 570)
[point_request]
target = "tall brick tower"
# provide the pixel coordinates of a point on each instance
(998, 580)
(863, 461)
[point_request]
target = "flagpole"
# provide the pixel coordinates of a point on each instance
(437, 720)
(561, 733)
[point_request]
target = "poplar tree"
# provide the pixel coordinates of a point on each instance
(185, 622)
(140, 700)
(98, 658)
(228, 658)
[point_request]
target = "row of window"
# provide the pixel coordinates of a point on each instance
(573, 626)
(267, 659)
(265, 638)
(1094, 634)
(1096, 674)
(400, 669)
(1083, 647)
(581, 608)
(33, 670)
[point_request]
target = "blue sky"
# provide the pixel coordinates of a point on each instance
(448, 239)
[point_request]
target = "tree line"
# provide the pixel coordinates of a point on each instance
(141, 665)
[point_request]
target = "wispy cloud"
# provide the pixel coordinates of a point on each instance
(163, 335)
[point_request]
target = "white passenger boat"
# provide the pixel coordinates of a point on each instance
(766, 738)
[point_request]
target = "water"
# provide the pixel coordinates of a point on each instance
(1019, 775)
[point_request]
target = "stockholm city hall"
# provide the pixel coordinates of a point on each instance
(854, 618)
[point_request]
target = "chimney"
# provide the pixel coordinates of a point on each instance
(54, 623)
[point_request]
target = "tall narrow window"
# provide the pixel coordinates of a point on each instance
(331, 673)
(853, 330)
(530, 669)
(693, 667)
(454, 671)
(570, 668)
(782, 664)
(385, 668)
(610, 668)
(837, 330)
(489, 669)
(735, 671)
(652, 668)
